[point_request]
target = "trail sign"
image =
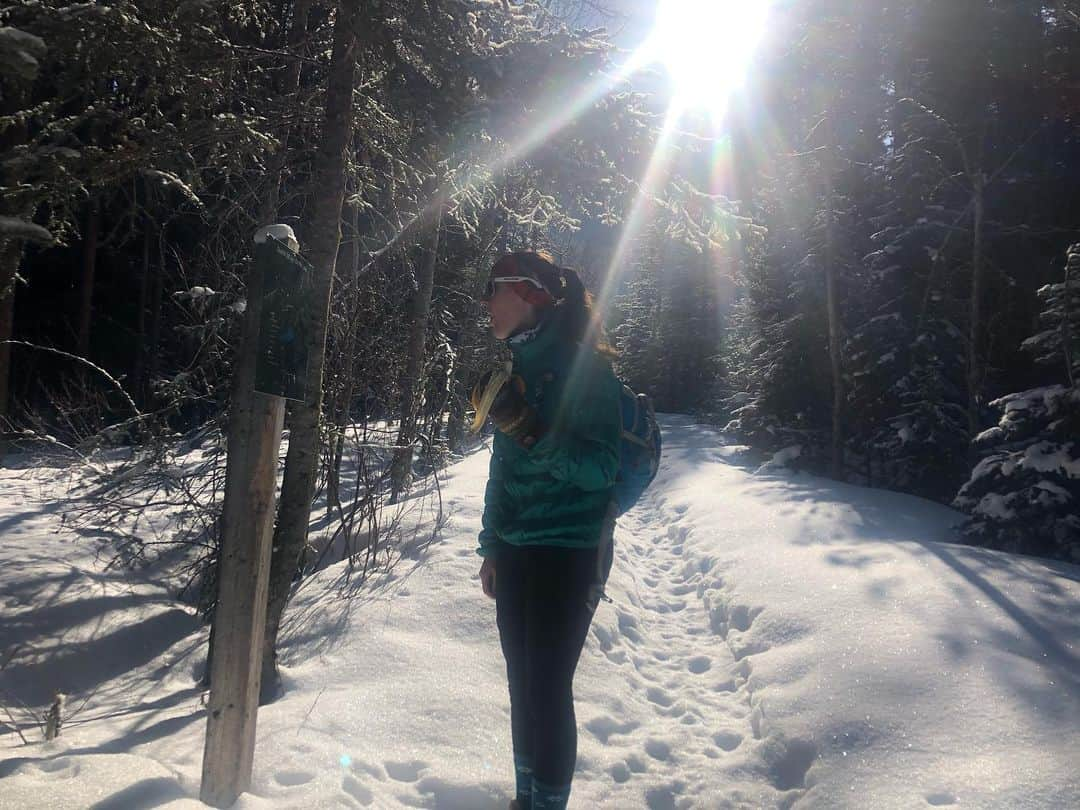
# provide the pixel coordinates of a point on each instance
(282, 363)
(272, 341)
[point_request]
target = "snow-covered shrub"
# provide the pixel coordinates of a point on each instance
(1024, 495)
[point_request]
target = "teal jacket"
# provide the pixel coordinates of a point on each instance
(556, 493)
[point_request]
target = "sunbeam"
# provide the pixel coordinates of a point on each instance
(553, 115)
(654, 172)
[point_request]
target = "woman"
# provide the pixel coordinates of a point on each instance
(548, 511)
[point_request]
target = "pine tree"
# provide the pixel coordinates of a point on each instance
(908, 428)
(1023, 495)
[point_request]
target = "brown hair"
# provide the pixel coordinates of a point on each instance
(573, 303)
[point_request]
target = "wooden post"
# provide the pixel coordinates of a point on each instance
(244, 567)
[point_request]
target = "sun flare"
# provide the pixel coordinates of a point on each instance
(706, 47)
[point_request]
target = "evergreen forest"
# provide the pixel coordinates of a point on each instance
(865, 266)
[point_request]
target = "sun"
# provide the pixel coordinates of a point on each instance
(706, 47)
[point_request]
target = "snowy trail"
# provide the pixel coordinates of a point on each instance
(775, 641)
(667, 649)
(670, 638)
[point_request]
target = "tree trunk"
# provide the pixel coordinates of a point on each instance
(157, 292)
(89, 265)
(343, 407)
(833, 308)
(1072, 263)
(455, 421)
(138, 371)
(324, 231)
(10, 254)
(10, 249)
(289, 85)
(975, 363)
(412, 384)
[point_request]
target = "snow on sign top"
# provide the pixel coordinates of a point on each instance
(279, 231)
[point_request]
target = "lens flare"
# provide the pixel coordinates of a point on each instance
(706, 46)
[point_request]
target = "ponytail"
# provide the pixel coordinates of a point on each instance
(573, 305)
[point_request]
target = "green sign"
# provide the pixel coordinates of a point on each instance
(285, 321)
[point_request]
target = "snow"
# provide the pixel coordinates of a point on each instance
(279, 231)
(1052, 494)
(995, 506)
(1045, 397)
(989, 436)
(12, 227)
(170, 180)
(1051, 457)
(782, 458)
(20, 52)
(196, 293)
(776, 640)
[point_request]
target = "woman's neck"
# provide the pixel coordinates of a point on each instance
(528, 331)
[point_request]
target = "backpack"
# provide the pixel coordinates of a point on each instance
(639, 449)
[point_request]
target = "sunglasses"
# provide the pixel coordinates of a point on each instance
(489, 288)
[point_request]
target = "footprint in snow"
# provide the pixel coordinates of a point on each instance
(619, 772)
(677, 532)
(603, 727)
(405, 771)
(603, 635)
(663, 797)
(668, 607)
(940, 799)
(659, 697)
(351, 785)
(699, 664)
(658, 749)
(374, 771)
(727, 740)
(293, 778)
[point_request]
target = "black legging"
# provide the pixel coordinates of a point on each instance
(542, 598)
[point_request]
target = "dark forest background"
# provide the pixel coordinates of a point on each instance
(868, 268)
